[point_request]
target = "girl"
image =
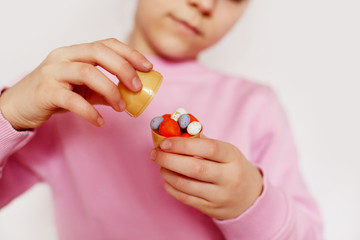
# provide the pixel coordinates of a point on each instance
(241, 183)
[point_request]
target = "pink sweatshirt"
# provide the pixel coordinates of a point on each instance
(105, 186)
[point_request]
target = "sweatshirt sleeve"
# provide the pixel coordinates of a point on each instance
(17, 178)
(285, 209)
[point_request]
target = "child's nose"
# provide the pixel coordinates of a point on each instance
(205, 6)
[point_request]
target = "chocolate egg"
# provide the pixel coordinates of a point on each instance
(155, 122)
(194, 128)
(178, 112)
(184, 121)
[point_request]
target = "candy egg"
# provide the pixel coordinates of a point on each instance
(181, 110)
(178, 112)
(184, 121)
(166, 116)
(194, 128)
(155, 122)
(186, 135)
(192, 118)
(169, 128)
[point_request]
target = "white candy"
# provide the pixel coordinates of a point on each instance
(181, 110)
(178, 112)
(194, 128)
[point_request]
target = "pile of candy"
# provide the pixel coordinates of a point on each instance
(180, 123)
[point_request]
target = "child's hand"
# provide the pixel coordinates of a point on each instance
(68, 80)
(219, 181)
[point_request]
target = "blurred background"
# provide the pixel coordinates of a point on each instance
(308, 51)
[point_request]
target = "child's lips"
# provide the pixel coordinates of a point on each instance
(186, 26)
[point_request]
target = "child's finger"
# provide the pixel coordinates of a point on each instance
(75, 103)
(97, 53)
(85, 74)
(203, 147)
(200, 169)
(204, 190)
(138, 60)
(185, 198)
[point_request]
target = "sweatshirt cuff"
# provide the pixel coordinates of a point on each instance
(265, 219)
(11, 140)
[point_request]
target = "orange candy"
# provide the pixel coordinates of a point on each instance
(169, 128)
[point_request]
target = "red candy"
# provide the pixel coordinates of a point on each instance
(169, 128)
(186, 135)
(192, 118)
(166, 116)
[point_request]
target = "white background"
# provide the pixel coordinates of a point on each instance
(308, 51)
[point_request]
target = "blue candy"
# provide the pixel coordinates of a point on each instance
(184, 121)
(155, 122)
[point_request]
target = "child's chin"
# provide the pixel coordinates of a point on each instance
(177, 55)
(177, 51)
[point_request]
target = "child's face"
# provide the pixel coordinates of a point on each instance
(181, 29)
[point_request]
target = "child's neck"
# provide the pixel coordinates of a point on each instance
(138, 42)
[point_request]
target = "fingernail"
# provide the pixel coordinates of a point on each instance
(147, 65)
(100, 121)
(165, 144)
(122, 105)
(136, 83)
(117, 107)
(153, 154)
